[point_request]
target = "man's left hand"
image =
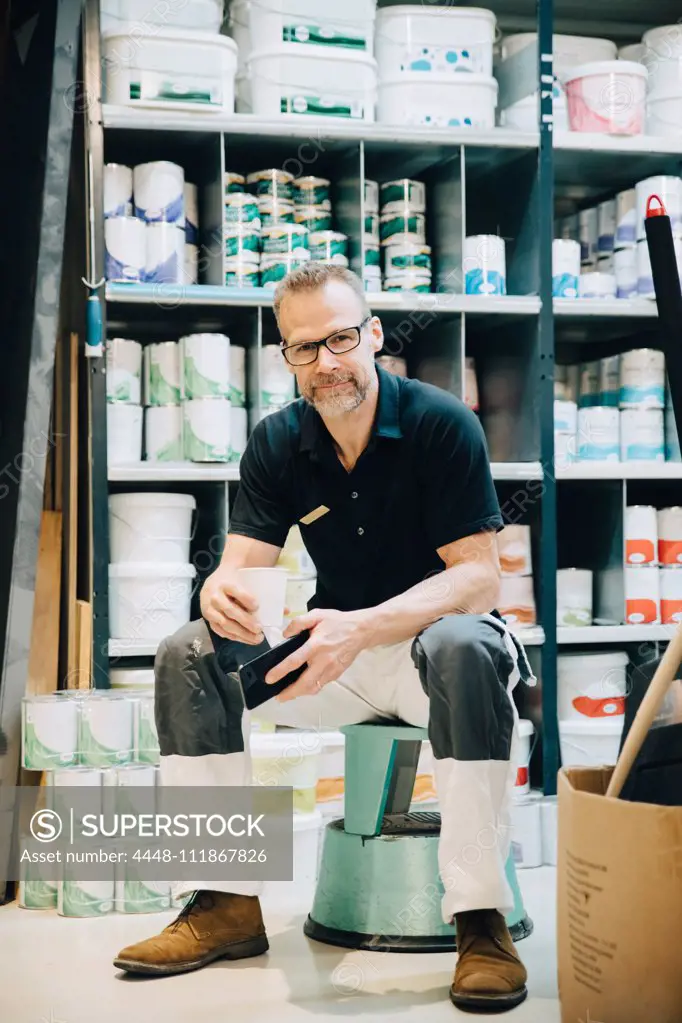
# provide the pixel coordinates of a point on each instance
(336, 639)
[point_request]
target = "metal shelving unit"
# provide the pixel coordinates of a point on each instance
(496, 181)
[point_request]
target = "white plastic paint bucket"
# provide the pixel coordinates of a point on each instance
(590, 384)
(49, 733)
(288, 758)
(292, 895)
(607, 96)
(625, 272)
(319, 81)
(159, 189)
(609, 380)
(641, 535)
(271, 181)
(670, 536)
(669, 190)
(671, 595)
(124, 371)
(275, 267)
(524, 750)
(124, 249)
(664, 111)
(118, 190)
(642, 435)
(517, 601)
(606, 226)
(662, 55)
(403, 193)
(238, 432)
(337, 24)
(565, 267)
(150, 527)
(148, 600)
(599, 434)
(642, 595)
(199, 15)
(162, 373)
(163, 434)
(407, 256)
(436, 40)
(626, 218)
(276, 382)
(171, 69)
(574, 597)
(146, 739)
(205, 366)
(597, 285)
(237, 375)
(191, 270)
(284, 237)
(588, 228)
(565, 416)
(591, 685)
(484, 265)
(124, 434)
(164, 254)
(206, 430)
(590, 743)
(105, 730)
(440, 101)
(642, 378)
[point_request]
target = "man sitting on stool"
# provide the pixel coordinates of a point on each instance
(390, 483)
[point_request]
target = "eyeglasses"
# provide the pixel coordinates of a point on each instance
(338, 343)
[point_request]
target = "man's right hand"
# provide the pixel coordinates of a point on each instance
(230, 609)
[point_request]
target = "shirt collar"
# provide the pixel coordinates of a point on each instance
(386, 423)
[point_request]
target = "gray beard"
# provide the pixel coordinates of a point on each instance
(338, 405)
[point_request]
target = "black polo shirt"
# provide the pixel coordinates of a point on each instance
(423, 481)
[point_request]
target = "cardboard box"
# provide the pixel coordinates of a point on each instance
(620, 905)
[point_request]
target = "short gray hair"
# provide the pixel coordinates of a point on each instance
(313, 276)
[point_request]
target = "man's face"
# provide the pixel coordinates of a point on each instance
(333, 384)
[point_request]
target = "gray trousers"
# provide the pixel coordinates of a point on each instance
(456, 678)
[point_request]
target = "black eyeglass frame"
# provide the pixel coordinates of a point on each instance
(323, 341)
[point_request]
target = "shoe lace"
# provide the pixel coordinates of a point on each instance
(191, 908)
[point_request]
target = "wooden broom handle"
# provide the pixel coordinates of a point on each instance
(649, 708)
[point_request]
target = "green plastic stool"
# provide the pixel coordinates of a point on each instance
(378, 885)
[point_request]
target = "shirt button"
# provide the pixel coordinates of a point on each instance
(360, 531)
(354, 494)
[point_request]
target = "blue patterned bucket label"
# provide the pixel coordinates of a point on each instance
(653, 396)
(565, 286)
(485, 282)
(172, 213)
(643, 453)
(115, 270)
(599, 453)
(166, 272)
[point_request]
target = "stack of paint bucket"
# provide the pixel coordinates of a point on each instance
(371, 260)
(653, 565)
(592, 688)
(517, 598)
(642, 401)
(124, 407)
(151, 224)
(104, 742)
(402, 229)
(194, 396)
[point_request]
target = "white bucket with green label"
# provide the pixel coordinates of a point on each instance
(270, 181)
(372, 252)
(312, 81)
(237, 375)
(402, 225)
(311, 191)
(334, 25)
(241, 208)
(274, 267)
(372, 226)
(134, 895)
(124, 371)
(315, 218)
(242, 273)
(207, 430)
(238, 432)
(274, 210)
(277, 384)
(242, 242)
(162, 373)
(371, 277)
(403, 192)
(284, 238)
(105, 735)
(163, 433)
(49, 733)
(328, 245)
(233, 182)
(37, 886)
(76, 898)
(146, 736)
(407, 256)
(410, 280)
(205, 362)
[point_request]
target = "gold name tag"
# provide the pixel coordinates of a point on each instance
(313, 516)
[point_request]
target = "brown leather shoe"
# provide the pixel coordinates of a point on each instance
(489, 974)
(213, 925)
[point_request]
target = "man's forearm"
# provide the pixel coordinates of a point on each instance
(463, 589)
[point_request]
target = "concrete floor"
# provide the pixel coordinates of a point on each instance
(59, 971)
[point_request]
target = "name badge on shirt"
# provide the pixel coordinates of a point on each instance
(314, 515)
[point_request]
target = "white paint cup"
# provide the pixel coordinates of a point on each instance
(268, 586)
(670, 536)
(574, 597)
(671, 595)
(641, 535)
(642, 595)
